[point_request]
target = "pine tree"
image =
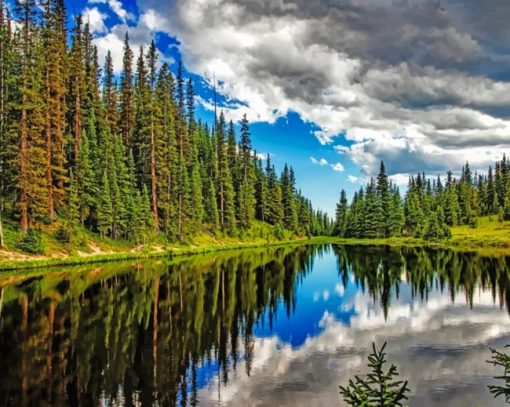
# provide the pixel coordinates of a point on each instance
(54, 42)
(151, 62)
(104, 207)
(224, 187)
(247, 178)
(261, 193)
(75, 110)
(7, 146)
(86, 183)
(383, 195)
(73, 212)
(127, 114)
(396, 217)
(341, 215)
(506, 209)
(31, 176)
(491, 198)
(110, 92)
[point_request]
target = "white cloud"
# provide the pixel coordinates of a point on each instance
(354, 180)
(398, 87)
(140, 35)
(263, 156)
(337, 167)
(400, 179)
(117, 7)
(322, 162)
(96, 19)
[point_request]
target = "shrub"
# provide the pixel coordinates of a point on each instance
(279, 233)
(63, 235)
(379, 389)
(32, 242)
(473, 222)
(501, 359)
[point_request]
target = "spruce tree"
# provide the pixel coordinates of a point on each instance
(104, 207)
(127, 114)
(340, 228)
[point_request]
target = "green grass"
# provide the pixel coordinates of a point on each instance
(489, 233)
(87, 247)
(490, 237)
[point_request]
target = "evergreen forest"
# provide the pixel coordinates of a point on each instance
(123, 155)
(430, 206)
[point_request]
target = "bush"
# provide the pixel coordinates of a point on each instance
(32, 242)
(473, 222)
(279, 233)
(500, 359)
(379, 389)
(63, 235)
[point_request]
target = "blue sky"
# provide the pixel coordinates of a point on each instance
(333, 87)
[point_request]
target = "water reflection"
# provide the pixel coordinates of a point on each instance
(262, 327)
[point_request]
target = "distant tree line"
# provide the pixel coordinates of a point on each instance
(429, 207)
(123, 156)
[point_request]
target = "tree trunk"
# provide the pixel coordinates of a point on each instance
(23, 201)
(2, 126)
(77, 124)
(23, 153)
(1, 224)
(153, 177)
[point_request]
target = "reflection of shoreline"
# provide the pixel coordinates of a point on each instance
(440, 347)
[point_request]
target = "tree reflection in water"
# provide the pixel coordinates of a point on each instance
(156, 332)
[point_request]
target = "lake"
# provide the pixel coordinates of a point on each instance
(262, 327)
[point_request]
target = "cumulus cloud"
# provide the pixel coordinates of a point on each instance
(140, 35)
(95, 19)
(413, 82)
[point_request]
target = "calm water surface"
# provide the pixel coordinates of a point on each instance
(268, 327)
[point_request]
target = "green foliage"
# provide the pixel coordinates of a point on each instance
(32, 242)
(125, 158)
(379, 389)
(429, 208)
(506, 210)
(63, 235)
(500, 359)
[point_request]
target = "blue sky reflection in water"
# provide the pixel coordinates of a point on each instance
(261, 327)
(440, 345)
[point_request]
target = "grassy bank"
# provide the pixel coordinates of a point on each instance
(490, 236)
(86, 247)
(119, 256)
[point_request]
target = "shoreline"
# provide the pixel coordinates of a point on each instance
(480, 245)
(42, 262)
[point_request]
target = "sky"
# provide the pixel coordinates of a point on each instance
(335, 86)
